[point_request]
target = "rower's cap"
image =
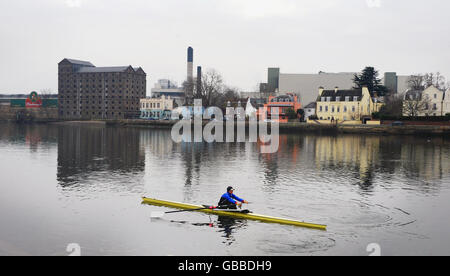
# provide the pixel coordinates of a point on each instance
(230, 189)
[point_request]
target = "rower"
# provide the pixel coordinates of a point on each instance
(230, 201)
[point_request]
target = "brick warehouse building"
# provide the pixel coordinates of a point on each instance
(88, 92)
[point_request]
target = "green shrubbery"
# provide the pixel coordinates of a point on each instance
(291, 114)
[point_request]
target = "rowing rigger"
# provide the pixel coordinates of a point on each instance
(232, 213)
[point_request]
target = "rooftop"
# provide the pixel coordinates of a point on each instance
(311, 105)
(79, 62)
(118, 69)
(342, 94)
(88, 67)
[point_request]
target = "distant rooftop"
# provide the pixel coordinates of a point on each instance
(80, 62)
(103, 69)
(88, 67)
(342, 94)
(311, 105)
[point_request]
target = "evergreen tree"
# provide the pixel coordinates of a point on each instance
(369, 78)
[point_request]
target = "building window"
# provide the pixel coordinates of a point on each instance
(326, 108)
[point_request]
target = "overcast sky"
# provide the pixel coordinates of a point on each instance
(239, 38)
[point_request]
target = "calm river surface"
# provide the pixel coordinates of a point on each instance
(63, 184)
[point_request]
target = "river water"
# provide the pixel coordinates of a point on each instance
(82, 184)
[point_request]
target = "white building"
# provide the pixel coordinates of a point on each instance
(156, 108)
(436, 98)
(433, 99)
(310, 110)
(168, 88)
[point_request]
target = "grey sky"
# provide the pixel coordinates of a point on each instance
(239, 38)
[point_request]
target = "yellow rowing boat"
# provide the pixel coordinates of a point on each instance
(241, 215)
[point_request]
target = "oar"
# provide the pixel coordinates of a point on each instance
(161, 214)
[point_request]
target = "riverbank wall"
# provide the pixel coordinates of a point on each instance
(296, 127)
(50, 116)
(28, 115)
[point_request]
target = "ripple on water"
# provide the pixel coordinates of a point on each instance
(289, 241)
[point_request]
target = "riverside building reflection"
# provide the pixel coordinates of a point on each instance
(86, 152)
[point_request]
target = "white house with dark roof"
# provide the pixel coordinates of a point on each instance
(434, 102)
(346, 105)
(310, 110)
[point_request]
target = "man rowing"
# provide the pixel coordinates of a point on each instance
(230, 201)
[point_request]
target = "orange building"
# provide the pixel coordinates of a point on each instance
(282, 104)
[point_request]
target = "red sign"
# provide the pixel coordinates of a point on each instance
(33, 101)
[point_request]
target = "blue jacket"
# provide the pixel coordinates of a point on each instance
(231, 198)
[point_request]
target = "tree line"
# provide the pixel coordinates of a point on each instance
(212, 90)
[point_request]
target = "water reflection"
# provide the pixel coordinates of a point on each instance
(158, 143)
(228, 227)
(391, 188)
(362, 157)
(99, 153)
(34, 136)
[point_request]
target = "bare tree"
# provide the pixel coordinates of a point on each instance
(230, 94)
(393, 105)
(435, 79)
(46, 93)
(212, 88)
(416, 82)
(212, 92)
(414, 106)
